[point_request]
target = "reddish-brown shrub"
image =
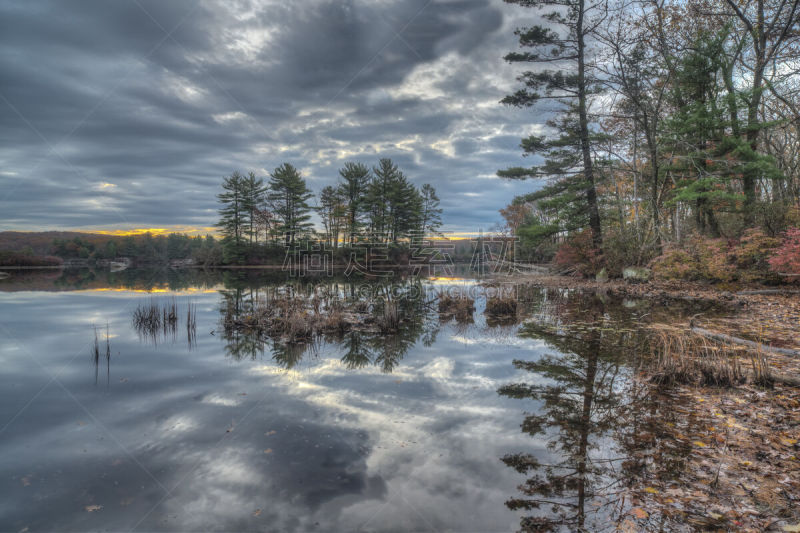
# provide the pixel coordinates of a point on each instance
(719, 260)
(786, 259)
(577, 255)
(25, 260)
(676, 264)
(752, 254)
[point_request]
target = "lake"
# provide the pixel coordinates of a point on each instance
(478, 425)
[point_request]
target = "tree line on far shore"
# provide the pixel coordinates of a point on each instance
(259, 218)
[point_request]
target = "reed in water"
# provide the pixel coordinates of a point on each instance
(683, 357)
(153, 320)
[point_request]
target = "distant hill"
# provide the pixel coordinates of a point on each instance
(41, 242)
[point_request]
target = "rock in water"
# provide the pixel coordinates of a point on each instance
(636, 274)
(602, 276)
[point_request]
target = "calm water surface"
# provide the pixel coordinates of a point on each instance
(442, 427)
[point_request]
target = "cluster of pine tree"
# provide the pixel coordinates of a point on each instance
(259, 218)
(670, 120)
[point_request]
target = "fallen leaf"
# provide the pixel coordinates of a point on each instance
(639, 513)
(651, 490)
(268, 450)
(93, 508)
(257, 512)
(700, 444)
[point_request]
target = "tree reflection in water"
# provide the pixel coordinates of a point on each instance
(360, 347)
(582, 395)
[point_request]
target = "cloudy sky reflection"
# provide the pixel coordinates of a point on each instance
(180, 439)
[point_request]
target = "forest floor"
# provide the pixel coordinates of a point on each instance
(720, 460)
(729, 459)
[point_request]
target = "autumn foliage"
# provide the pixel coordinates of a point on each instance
(16, 259)
(577, 256)
(747, 259)
(786, 258)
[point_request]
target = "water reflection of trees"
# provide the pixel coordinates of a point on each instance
(581, 394)
(609, 435)
(359, 347)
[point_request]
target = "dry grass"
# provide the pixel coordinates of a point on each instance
(336, 322)
(293, 319)
(501, 306)
(147, 317)
(388, 319)
(153, 319)
(682, 357)
(460, 306)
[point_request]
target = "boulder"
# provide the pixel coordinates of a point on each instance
(636, 274)
(602, 276)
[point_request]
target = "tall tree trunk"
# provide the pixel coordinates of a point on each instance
(591, 191)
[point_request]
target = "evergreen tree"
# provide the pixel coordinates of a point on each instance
(394, 203)
(253, 194)
(568, 156)
(773, 40)
(712, 157)
(289, 194)
(233, 217)
(405, 205)
(431, 219)
(356, 179)
(380, 188)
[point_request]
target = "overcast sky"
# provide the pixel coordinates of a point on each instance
(127, 114)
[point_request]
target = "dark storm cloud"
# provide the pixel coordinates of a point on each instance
(129, 113)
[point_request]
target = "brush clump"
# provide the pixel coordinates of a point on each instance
(501, 306)
(683, 357)
(460, 307)
(291, 319)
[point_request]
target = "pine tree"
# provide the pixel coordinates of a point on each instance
(711, 156)
(568, 156)
(252, 197)
(378, 193)
(356, 179)
(233, 217)
(431, 219)
(289, 194)
(405, 209)
(395, 205)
